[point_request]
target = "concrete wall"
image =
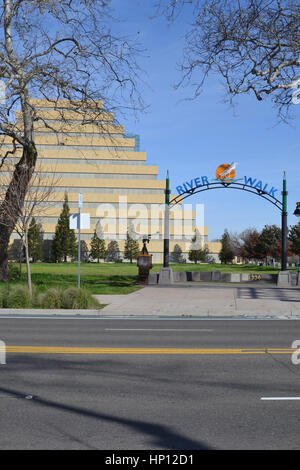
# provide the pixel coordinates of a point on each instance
(214, 276)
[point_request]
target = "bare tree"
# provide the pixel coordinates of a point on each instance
(38, 201)
(235, 243)
(254, 45)
(56, 50)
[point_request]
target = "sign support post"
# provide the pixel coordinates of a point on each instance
(80, 203)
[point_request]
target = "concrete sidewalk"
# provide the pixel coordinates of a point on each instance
(205, 300)
(187, 300)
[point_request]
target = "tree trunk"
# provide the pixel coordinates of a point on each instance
(11, 206)
(28, 264)
(5, 233)
(20, 260)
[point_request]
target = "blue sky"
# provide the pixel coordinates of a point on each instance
(193, 137)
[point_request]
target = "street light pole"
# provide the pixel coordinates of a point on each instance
(284, 228)
(167, 223)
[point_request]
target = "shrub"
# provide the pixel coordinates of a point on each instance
(18, 297)
(75, 298)
(93, 303)
(14, 272)
(50, 299)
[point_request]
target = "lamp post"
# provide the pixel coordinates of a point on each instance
(297, 214)
(167, 223)
(297, 210)
(284, 225)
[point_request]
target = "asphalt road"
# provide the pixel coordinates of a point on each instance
(149, 384)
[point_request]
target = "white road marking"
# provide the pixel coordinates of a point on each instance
(136, 318)
(157, 329)
(280, 398)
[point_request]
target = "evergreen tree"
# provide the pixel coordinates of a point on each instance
(176, 255)
(226, 254)
(84, 251)
(113, 251)
(131, 248)
(48, 255)
(98, 249)
(64, 242)
(35, 240)
(197, 253)
(16, 250)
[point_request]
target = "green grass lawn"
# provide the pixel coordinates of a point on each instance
(114, 278)
(96, 278)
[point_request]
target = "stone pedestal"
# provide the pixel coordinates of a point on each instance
(165, 276)
(283, 279)
(216, 276)
(235, 277)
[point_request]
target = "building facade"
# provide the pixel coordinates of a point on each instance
(120, 191)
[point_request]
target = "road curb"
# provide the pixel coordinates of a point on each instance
(47, 312)
(96, 314)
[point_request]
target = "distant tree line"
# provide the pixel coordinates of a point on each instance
(257, 246)
(251, 245)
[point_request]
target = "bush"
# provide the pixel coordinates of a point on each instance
(50, 299)
(14, 272)
(75, 298)
(18, 297)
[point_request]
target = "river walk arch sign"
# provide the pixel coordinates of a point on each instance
(225, 177)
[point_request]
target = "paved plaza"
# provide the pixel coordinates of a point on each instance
(205, 300)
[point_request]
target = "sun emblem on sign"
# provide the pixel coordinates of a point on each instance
(226, 171)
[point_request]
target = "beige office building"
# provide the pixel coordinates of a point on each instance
(106, 166)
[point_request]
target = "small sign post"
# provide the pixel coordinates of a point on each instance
(80, 203)
(77, 222)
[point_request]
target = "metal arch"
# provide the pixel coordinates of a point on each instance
(239, 186)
